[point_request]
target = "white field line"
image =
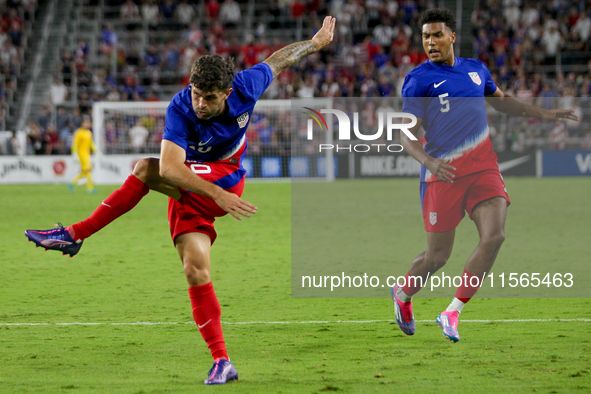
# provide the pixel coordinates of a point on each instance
(246, 323)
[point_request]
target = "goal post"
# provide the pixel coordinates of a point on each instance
(126, 132)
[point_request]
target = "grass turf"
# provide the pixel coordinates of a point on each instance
(129, 272)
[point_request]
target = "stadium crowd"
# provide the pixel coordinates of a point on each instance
(16, 19)
(377, 44)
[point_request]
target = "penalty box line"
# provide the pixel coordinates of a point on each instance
(246, 323)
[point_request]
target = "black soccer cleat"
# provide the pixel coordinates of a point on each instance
(55, 239)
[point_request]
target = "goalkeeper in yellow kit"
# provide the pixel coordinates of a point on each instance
(82, 146)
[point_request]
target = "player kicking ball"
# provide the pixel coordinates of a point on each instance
(200, 169)
(459, 168)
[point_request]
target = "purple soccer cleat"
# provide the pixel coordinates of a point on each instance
(55, 239)
(222, 372)
(448, 321)
(403, 313)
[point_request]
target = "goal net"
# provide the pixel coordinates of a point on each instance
(126, 132)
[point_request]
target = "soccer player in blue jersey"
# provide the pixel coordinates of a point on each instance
(459, 168)
(200, 169)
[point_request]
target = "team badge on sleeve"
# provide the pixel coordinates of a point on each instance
(432, 218)
(242, 120)
(475, 78)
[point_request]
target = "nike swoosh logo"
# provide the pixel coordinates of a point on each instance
(204, 143)
(436, 85)
(200, 326)
(107, 205)
(513, 163)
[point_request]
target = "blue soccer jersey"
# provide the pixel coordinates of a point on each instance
(222, 136)
(450, 101)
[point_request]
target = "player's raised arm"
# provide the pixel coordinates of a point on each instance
(509, 105)
(293, 53)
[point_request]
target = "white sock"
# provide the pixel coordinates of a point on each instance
(456, 305)
(402, 296)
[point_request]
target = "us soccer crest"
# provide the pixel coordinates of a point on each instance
(475, 78)
(432, 218)
(242, 120)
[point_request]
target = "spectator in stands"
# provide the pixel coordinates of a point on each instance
(551, 40)
(307, 88)
(76, 117)
(16, 32)
(150, 13)
(34, 139)
(14, 146)
(51, 141)
(67, 136)
(230, 14)
(507, 24)
(44, 117)
(100, 85)
(66, 68)
(138, 135)
(156, 138)
(108, 39)
(383, 32)
(152, 96)
(132, 91)
(548, 96)
(152, 56)
(330, 87)
(112, 136)
(113, 94)
(193, 35)
(212, 10)
(81, 54)
(58, 92)
(530, 15)
(85, 103)
(62, 118)
(129, 13)
(171, 56)
(167, 10)
(9, 60)
(84, 77)
(185, 13)
(381, 57)
(385, 87)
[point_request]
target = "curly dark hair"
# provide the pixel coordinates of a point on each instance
(212, 72)
(439, 15)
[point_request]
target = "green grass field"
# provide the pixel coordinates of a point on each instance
(130, 272)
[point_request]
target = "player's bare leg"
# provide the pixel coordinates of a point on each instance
(148, 171)
(489, 217)
(194, 251)
(439, 248)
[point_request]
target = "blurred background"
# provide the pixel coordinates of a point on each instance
(59, 58)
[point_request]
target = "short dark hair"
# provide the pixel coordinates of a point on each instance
(435, 15)
(212, 72)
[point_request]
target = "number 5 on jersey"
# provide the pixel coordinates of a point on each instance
(443, 102)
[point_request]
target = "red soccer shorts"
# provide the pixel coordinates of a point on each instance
(445, 204)
(196, 213)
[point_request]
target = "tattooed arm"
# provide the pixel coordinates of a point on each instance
(293, 53)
